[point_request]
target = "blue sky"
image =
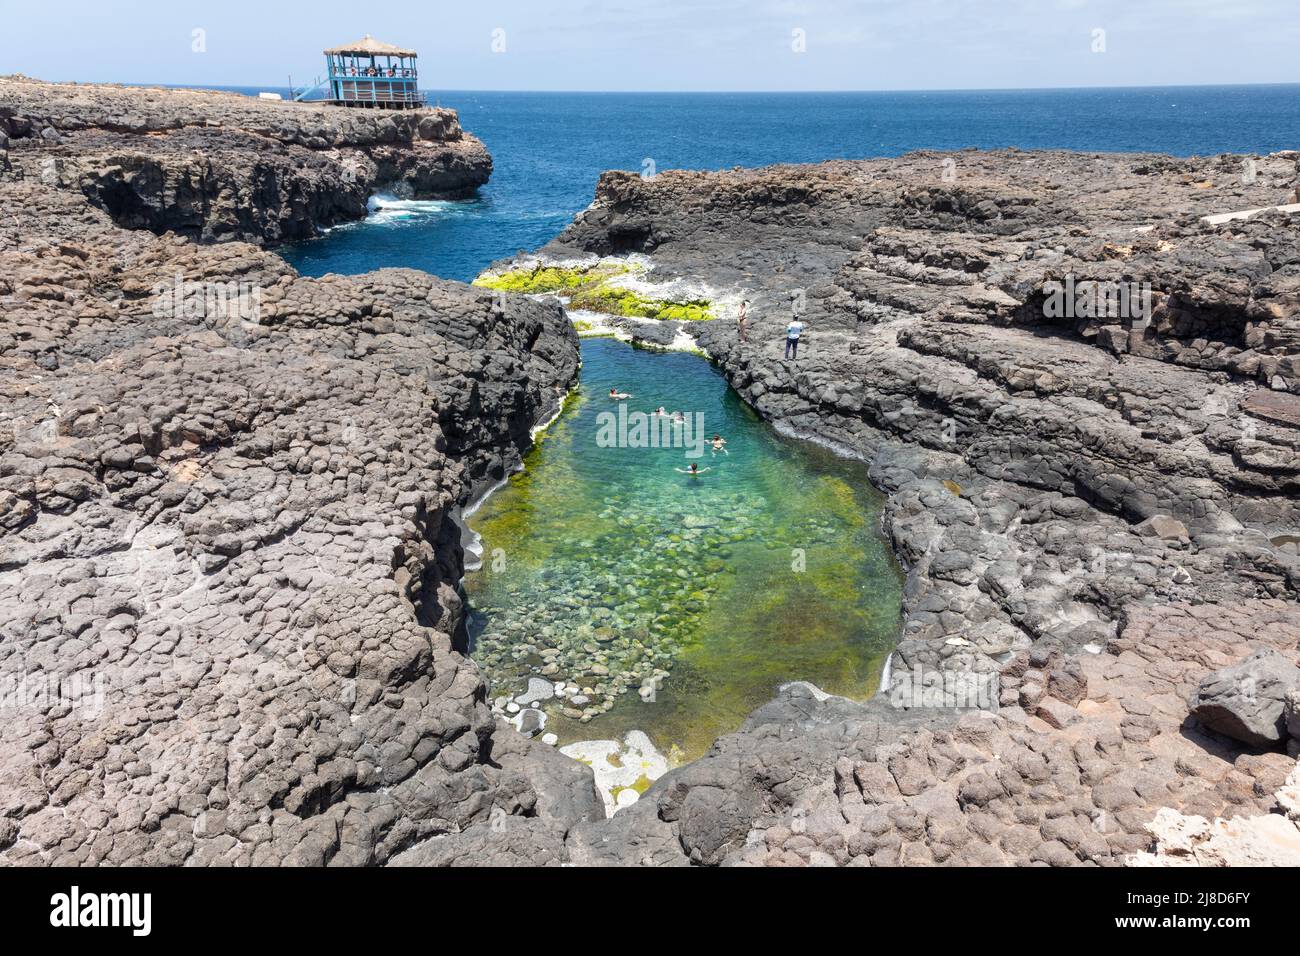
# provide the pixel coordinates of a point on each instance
(669, 44)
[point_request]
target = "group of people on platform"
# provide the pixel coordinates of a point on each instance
(378, 71)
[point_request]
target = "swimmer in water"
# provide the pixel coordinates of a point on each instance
(660, 412)
(693, 470)
(678, 418)
(719, 444)
(619, 396)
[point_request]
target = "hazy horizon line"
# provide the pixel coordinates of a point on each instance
(741, 92)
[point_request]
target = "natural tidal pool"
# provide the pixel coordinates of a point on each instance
(669, 603)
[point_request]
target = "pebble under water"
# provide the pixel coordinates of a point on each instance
(676, 604)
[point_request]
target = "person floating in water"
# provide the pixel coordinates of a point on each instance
(619, 396)
(719, 444)
(693, 470)
(678, 418)
(792, 333)
(660, 412)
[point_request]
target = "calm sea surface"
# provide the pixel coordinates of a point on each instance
(549, 149)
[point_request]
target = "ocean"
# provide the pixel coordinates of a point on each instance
(550, 148)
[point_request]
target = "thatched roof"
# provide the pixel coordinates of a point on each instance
(369, 46)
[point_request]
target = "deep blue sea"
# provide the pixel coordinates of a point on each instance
(549, 149)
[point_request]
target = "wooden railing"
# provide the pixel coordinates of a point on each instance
(372, 89)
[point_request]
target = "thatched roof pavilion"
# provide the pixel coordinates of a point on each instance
(369, 46)
(369, 72)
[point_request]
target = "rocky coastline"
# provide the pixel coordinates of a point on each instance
(1096, 512)
(230, 559)
(216, 167)
(229, 563)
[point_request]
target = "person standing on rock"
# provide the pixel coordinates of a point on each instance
(742, 323)
(792, 333)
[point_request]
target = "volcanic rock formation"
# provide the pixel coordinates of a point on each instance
(229, 556)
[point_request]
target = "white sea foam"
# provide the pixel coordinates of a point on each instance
(598, 325)
(477, 503)
(543, 426)
(472, 544)
(843, 451)
(601, 325)
(637, 279)
(472, 541)
(887, 674)
(390, 210)
(685, 342)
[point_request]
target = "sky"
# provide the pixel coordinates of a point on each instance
(617, 45)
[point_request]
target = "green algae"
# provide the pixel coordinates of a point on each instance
(593, 287)
(693, 310)
(617, 300)
(640, 786)
(550, 279)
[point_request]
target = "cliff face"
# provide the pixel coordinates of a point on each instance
(218, 166)
(229, 563)
(1096, 508)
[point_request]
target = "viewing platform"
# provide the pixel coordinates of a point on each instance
(368, 73)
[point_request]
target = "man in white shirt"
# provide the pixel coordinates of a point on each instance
(792, 333)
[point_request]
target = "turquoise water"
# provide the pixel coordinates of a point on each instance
(550, 148)
(609, 570)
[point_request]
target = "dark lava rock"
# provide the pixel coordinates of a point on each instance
(229, 590)
(1247, 700)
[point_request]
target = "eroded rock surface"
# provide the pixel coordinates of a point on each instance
(218, 166)
(817, 780)
(229, 560)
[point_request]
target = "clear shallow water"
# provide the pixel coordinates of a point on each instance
(550, 148)
(767, 568)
